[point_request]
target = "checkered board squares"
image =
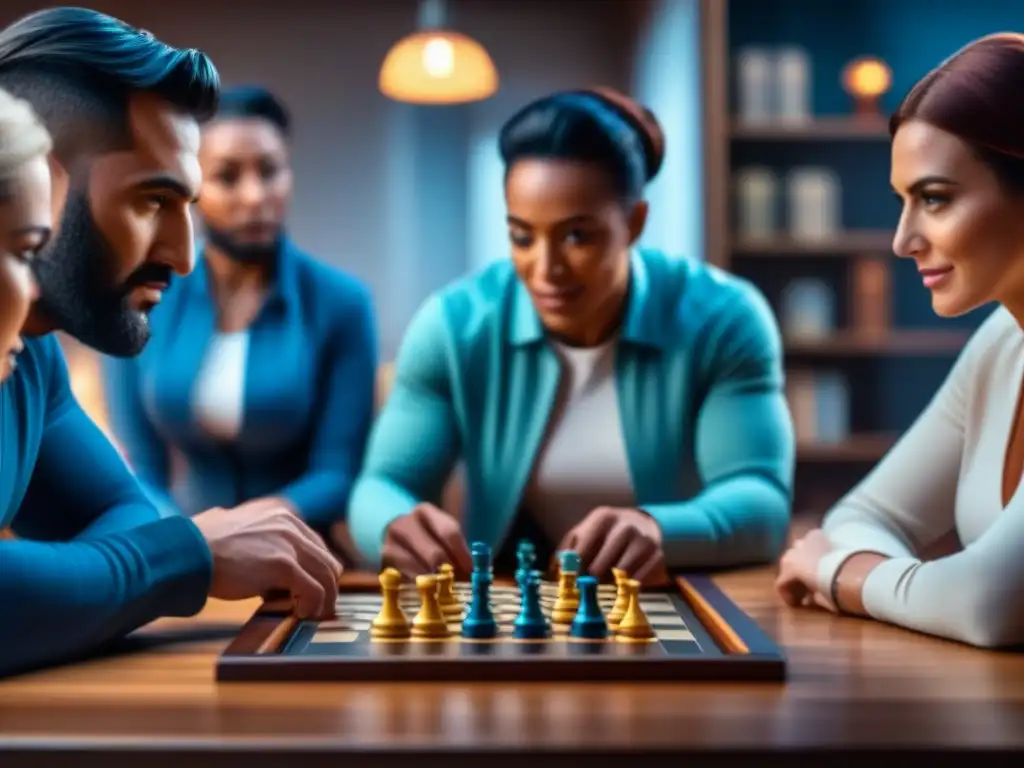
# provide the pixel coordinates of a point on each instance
(677, 630)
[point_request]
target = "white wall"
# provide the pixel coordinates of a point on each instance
(668, 80)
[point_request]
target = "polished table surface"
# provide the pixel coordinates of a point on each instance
(852, 683)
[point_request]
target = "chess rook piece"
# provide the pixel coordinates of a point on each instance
(589, 623)
(446, 598)
(568, 600)
(634, 626)
(391, 622)
(429, 622)
(531, 624)
(621, 598)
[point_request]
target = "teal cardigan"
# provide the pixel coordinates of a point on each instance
(700, 381)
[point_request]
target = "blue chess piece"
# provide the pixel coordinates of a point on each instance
(531, 623)
(526, 556)
(480, 554)
(589, 623)
(480, 622)
(569, 561)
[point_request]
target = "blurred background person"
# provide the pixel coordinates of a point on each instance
(257, 387)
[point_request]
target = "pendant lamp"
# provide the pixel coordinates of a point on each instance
(436, 65)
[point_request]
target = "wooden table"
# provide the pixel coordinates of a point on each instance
(853, 684)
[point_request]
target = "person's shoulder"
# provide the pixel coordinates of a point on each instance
(318, 278)
(999, 326)
(42, 359)
(699, 296)
(477, 300)
(41, 376)
(996, 341)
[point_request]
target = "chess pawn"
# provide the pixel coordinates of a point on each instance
(429, 622)
(391, 622)
(589, 623)
(446, 598)
(531, 623)
(634, 626)
(618, 610)
(568, 601)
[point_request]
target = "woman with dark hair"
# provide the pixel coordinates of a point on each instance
(933, 539)
(613, 400)
(259, 379)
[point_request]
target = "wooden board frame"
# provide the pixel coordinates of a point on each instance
(747, 653)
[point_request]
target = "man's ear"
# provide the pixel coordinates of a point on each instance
(59, 181)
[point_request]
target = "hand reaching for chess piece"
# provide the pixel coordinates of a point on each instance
(259, 548)
(617, 537)
(421, 541)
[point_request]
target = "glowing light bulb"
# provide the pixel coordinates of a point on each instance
(439, 57)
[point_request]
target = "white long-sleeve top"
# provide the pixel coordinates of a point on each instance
(945, 474)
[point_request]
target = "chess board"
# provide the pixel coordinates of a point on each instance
(699, 635)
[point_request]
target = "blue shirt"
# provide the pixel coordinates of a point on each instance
(93, 559)
(308, 395)
(699, 375)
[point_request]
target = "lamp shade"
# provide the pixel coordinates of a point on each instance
(438, 67)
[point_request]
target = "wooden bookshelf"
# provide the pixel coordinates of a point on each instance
(831, 128)
(858, 264)
(851, 243)
(894, 342)
(867, 448)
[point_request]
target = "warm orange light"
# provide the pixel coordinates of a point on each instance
(438, 67)
(866, 79)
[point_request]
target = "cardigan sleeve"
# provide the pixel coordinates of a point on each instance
(415, 442)
(908, 503)
(744, 445)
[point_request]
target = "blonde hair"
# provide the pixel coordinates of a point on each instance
(23, 137)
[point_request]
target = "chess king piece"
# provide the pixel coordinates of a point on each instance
(531, 623)
(634, 626)
(621, 598)
(479, 623)
(429, 622)
(391, 622)
(568, 600)
(589, 623)
(446, 597)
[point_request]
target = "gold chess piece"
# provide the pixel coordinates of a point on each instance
(618, 610)
(634, 626)
(391, 622)
(568, 600)
(429, 622)
(446, 597)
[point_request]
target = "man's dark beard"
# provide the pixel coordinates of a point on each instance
(246, 253)
(77, 290)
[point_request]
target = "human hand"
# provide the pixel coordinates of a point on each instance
(260, 547)
(617, 537)
(422, 540)
(797, 582)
